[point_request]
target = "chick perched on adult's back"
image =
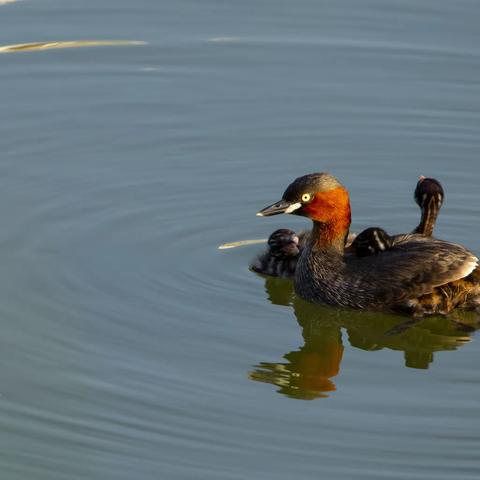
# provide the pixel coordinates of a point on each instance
(429, 197)
(371, 241)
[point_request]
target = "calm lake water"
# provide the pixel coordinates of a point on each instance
(131, 347)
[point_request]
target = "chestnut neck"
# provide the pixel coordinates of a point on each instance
(330, 213)
(326, 236)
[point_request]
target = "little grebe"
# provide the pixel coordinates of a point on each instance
(429, 197)
(418, 274)
(280, 259)
(284, 245)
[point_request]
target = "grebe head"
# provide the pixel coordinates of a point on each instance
(309, 196)
(428, 190)
(284, 243)
(323, 199)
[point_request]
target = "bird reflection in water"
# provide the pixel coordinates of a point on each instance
(307, 373)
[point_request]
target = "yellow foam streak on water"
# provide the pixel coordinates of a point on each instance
(23, 47)
(224, 39)
(242, 243)
(4, 2)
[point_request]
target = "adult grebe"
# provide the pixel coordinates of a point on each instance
(413, 275)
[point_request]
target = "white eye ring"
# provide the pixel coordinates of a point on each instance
(306, 197)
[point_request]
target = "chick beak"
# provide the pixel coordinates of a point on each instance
(283, 206)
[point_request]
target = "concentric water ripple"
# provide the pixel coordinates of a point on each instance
(131, 346)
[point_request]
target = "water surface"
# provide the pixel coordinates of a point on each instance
(131, 347)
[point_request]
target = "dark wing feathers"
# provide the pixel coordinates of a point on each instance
(413, 267)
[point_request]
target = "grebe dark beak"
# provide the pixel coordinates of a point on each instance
(283, 206)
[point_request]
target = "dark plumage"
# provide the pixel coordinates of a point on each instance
(410, 276)
(371, 241)
(280, 259)
(429, 196)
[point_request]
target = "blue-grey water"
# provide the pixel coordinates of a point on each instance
(131, 347)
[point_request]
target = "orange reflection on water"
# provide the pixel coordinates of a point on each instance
(307, 372)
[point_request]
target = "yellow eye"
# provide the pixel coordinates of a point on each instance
(306, 197)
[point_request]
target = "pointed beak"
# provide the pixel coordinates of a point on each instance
(283, 206)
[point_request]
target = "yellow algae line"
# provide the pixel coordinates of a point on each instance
(26, 47)
(4, 2)
(224, 39)
(242, 243)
